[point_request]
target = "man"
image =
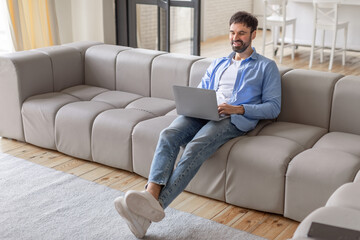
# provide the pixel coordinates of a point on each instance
(248, 89)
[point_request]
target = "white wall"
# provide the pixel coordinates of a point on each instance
(81, 20)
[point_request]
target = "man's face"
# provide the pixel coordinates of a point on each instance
(240, 37)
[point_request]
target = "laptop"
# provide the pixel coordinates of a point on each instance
(197, 103)
(329, 232)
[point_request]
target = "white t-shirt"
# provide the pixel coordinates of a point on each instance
(227, 81)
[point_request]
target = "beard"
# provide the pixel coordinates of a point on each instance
(241, 48)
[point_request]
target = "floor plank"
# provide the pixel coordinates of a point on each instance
(126, 182)
(230, 215)
(271, 227)
(250, 221)
(289, 230)
(112, 177)
(192, 204)
(68, 165)
(210, 209)
(96, 173)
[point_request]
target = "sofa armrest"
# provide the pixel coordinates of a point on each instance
(22, 74)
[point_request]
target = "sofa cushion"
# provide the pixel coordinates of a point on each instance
(133, 68)
(168, 70)
(357, 177)
(255, 172)
(283, 70)
(210, 180)
(84, 92)
(23, 74)
(29, 71)
(172, 113)
(38, 113)
(345, 114)
(73, 127)
(305, 135)
(100, 65)
(118, 99)
(111, 138)
(144, 140)
(82, 46)
(346, 142)
(153, 105)
(198, 70)
(334, 216)
(67, 66)
(306, 97)
(348, 195)
(312, 176)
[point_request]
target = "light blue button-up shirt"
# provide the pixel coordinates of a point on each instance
(257, 88)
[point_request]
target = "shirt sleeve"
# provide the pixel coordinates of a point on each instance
(270, 106)
(207, 78)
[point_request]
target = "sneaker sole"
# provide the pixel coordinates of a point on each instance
(143, 207)
(133, 225)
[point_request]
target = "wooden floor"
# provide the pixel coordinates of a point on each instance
(270, 226)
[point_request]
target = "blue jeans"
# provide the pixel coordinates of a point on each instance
(201, 137)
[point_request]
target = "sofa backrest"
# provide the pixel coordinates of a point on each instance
(307, 97)
(67, 66)
(345, 112)
(283, 70)
(100, 65)
(82, 46)
(22, 75)
(133, 70)
(198, 69)
(168, 70)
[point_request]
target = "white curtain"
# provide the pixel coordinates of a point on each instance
(33, 23)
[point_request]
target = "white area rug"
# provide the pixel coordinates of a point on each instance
(41, 203)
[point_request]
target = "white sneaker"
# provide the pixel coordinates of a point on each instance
(138, 225)
(144, 204)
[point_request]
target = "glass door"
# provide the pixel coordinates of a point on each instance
(165, 25)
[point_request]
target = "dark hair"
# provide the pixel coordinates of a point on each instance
(245, 18)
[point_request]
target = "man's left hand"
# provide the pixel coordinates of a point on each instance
(228, 109)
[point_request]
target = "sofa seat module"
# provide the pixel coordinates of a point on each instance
(39, 111)
(335, 158)
(261, 161)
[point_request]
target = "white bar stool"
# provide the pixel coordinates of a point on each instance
(326, 18)
(275, 16)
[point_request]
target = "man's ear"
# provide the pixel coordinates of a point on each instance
(253, 35)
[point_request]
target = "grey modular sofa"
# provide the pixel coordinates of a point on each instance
(108, 104)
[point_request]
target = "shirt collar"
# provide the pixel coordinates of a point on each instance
(254, 55)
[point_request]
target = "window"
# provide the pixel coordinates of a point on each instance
(5, 36)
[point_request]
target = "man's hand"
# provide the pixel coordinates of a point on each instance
(227, 109)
